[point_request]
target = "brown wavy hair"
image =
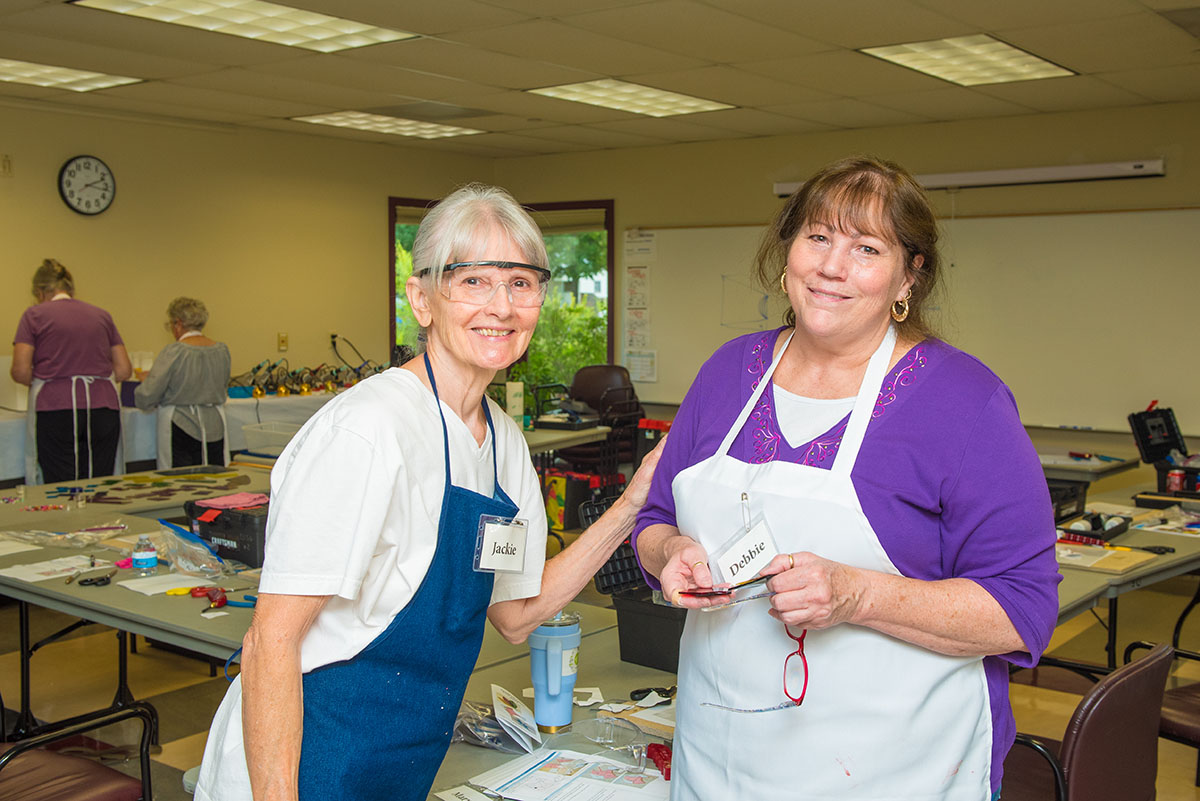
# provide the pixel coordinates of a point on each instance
(861, 193)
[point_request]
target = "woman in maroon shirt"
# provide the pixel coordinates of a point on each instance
(69, 354)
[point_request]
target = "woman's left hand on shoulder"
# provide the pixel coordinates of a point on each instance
(813, 592)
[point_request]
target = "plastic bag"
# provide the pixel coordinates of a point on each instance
(187, 553)
(476, 725)
(80, 538)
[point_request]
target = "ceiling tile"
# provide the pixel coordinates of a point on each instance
(950, 103)
(537, 107)
(1063, 94)
(526, 144)
(572, 47)
(672, 129)
(429, 18)
(728, 85)
(848, 113)
(280, 87)
(1102, 45)
(693, 29)
(756, 123)
(844, 72)
(157, 108)
(78, 24)
(990, 16)
(340, 71)
(94, 58)
(1164, 84)
(594, 137)
(552, 8)
(193, 97)
(455, 60)
(850, 23)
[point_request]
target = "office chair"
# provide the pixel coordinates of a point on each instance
(607, 389)
(30, 772)
(1181, 705)
(1109, 751)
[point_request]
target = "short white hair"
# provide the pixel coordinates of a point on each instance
(462, 223)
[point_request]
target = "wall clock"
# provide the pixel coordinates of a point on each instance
(86, 185)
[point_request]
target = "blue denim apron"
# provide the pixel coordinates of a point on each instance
(377, 726)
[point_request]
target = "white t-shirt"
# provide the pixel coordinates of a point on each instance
(803, 419)
(355, 501)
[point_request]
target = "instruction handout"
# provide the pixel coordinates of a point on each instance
(572, 776)
(515, 718)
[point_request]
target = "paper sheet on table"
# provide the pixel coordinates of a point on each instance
(572, 775)
(660, 715)
(461, 793)
(155, 585)
(51, 568)
(9, 547)
(514, 717)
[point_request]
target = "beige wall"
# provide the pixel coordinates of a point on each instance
(274, 231)
(284, 232)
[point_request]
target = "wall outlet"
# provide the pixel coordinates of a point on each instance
(282, 341)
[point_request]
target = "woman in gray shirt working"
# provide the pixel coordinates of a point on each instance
(188, 387)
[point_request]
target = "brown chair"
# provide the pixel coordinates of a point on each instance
(608, 390)
(1109, 751)
(1181, 705)
(31, 772)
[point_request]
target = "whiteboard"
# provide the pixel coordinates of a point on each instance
(1087, 317)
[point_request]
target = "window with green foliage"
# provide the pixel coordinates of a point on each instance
(575, 326)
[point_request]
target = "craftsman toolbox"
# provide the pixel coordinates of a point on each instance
(235, 533)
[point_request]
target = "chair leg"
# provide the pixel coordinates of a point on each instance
(1183, 616)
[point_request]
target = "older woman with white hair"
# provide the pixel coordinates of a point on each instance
(371, 603)
(187, 386)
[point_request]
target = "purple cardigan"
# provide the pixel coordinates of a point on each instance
(946, 475)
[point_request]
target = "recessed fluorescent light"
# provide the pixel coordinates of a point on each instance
(969, 60)
(388, 125)
(630, 97)
(58, 77)
(254, 19)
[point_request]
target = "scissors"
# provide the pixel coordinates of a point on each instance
(98, 581)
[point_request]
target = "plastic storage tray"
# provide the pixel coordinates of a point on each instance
(270, 438)
(1069, 498)
(1157, 433)
(621, 572)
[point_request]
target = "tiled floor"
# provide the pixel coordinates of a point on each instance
(79, 673)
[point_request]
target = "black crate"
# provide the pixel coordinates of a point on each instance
(235, 533)
(621, 572)
(1190, 475)
(1069, 498)
(1157, 434)
(648, 633)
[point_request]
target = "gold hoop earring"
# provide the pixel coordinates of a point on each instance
(783, 281)
(900, 308)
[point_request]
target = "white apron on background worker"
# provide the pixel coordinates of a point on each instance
(880, 718)
(33, 470)
(166, 414)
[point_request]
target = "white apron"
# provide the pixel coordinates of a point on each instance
(33, 470)
(882, 719)
(162, 427)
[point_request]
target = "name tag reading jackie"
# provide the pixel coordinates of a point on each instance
(500, 545)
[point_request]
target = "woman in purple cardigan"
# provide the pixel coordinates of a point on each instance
(884, 482)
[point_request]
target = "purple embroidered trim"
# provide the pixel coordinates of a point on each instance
(902, 378)
(766, 438)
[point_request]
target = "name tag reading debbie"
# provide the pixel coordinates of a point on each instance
(500, 545)
(748, 554)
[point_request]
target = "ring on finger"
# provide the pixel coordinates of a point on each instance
(791, 562)
(698, 562)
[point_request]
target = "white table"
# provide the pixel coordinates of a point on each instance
(140, 428)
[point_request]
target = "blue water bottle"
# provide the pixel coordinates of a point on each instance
(554, 662)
